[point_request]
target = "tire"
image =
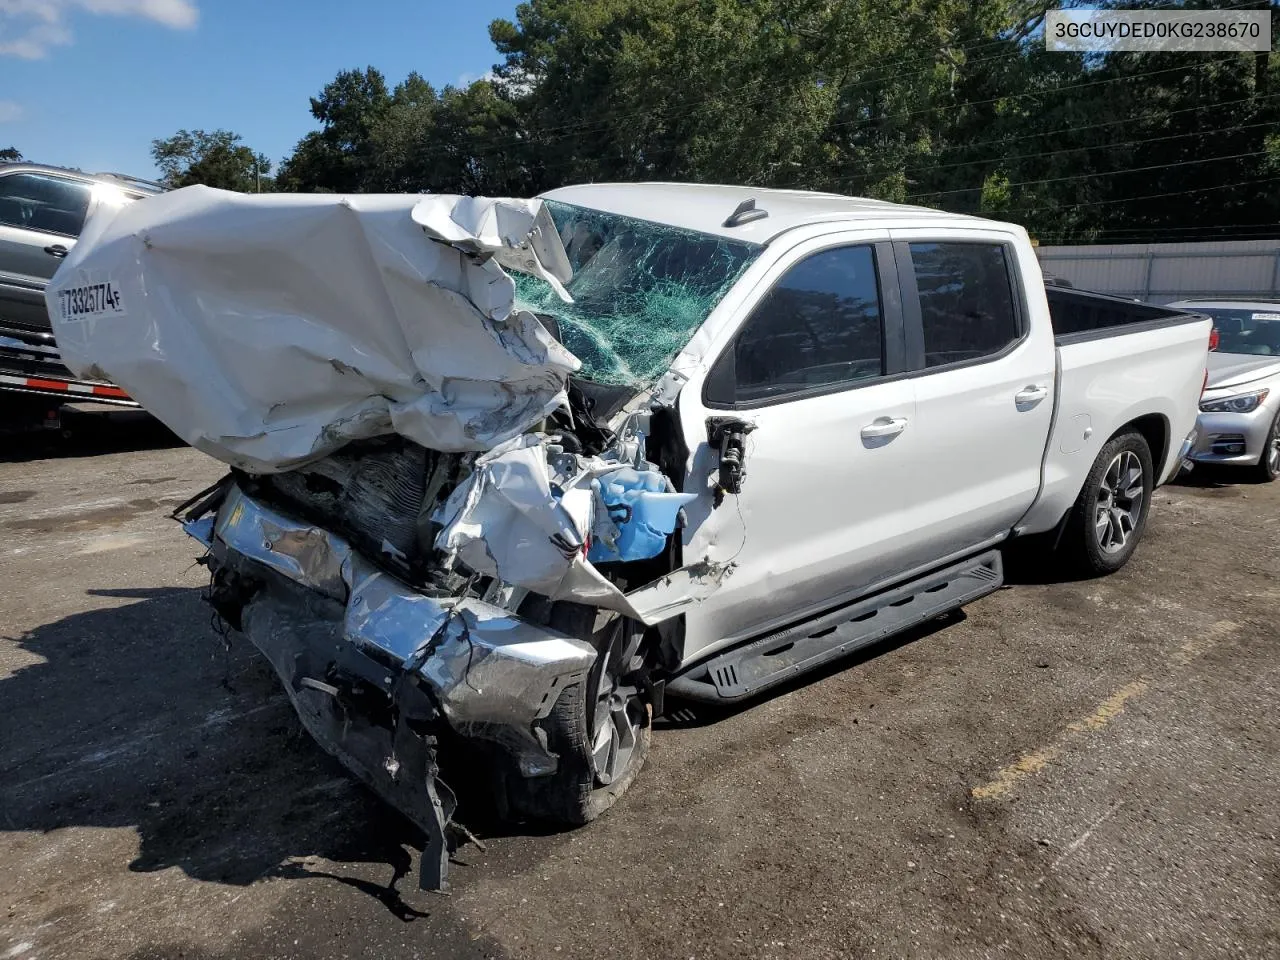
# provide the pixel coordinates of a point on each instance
(1096, 544)
(1268, 466)
(599, 727)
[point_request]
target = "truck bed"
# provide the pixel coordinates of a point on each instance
(1080, 315)
(1117, 360)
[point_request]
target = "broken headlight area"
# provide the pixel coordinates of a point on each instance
(380, 672)
(536, 513)
(405, 595)
(440, 523)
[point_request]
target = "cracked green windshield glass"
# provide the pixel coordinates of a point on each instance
(640, 290)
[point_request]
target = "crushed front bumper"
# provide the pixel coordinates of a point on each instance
(375, 668)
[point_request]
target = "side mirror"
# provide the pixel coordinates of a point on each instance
(728, 436)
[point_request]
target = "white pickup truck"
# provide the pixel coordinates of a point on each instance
(451, 510)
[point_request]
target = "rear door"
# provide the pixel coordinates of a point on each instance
(816, 362)
(984, 381)
(41, 215)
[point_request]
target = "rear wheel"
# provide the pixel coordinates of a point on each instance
(1110, 515)
(599, 728)
(1268, 467)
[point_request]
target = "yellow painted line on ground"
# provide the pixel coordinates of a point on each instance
(1109, 708)
(1199, 646)
(1029, 764)
(1032, 763)
(1007, 777)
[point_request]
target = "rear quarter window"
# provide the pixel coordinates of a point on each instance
(967, 306)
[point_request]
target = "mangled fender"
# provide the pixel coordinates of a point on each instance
(527, 516)
(269, 330)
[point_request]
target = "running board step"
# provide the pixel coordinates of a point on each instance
(771, 660)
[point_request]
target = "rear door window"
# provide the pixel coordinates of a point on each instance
(967, 306)
(36, 201)
(820, 328)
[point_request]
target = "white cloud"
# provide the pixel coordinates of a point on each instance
(466, 79)
(29, 29)
(10, 111)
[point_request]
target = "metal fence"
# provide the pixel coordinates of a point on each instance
(1162, 272)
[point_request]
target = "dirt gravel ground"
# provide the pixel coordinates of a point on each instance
(1079, 770)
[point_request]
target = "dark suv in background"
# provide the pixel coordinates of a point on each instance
(42, 211)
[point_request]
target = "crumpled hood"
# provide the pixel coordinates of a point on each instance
(1238, 369)
(270, 330)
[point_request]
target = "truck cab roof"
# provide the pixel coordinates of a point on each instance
(710, 208)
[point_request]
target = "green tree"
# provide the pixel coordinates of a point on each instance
(216, 159)
(413, 138)
(946, 103)
(10, 155)
(683, 89)
(797, 93)
(475, 144)
(341, 156)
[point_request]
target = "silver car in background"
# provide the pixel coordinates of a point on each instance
(42, 210)
(1239, 421)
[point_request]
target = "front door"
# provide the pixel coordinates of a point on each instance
(816, 365)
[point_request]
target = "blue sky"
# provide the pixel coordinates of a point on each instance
(90, 83)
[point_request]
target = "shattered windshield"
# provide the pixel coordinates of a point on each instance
(640, 290)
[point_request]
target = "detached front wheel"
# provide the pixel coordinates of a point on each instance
(599, 728)
(1110, 515)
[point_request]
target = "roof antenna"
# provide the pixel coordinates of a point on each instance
(747, 212)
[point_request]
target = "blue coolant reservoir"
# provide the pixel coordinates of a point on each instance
(643, 510)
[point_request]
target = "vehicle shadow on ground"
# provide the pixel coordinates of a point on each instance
(136, 716)
(1210, 477)
(1034, 562)
(89, 435)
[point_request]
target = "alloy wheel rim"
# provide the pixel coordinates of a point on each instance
(1121, 495)
(616, 713)
(1273, 451)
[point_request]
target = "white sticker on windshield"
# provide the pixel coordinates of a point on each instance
(90, 301)
(1266, 316)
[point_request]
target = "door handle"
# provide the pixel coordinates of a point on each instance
(1031, 394)
(56, 250)
(884, 427)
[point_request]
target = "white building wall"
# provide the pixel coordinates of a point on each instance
(1161, 272)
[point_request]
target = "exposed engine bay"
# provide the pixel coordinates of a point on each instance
(557, 511)
(408, 596)
(433, 528)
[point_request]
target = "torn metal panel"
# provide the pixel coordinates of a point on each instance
(200, 530)
(307, 555)
(520, 235)
(372, 665)
(297, 636)
(676, 591)
(269, 330)
(491, 673)
(527, 516)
